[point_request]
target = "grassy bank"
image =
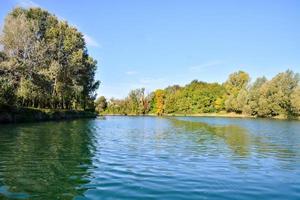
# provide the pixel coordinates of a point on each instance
(19, 115)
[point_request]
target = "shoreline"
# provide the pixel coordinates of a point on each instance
(24, 115)
(224, 115)
(11, 115)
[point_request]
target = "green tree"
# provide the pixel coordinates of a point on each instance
(101, 104)
(295, 101)
(253, 97)
(275, 95)
(48, 61)
(7, 92)
(236, 86)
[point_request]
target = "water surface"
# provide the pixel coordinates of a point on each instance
(151, 158)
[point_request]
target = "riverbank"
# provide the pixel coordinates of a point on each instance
(231, 115)
(226, 115)
(20, 115)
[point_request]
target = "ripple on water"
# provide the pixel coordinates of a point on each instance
(151, 158)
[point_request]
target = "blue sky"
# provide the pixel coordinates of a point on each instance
(155, 43)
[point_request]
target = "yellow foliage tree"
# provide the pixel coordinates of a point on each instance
(159, 99)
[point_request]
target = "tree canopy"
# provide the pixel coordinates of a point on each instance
(45, 62)
(262, 98)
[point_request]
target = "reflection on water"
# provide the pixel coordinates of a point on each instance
(151, 158)
(44, 160)
(236, 137)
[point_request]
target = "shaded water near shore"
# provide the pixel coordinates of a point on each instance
(151, 158)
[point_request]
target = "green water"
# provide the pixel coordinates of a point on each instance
(151, 158)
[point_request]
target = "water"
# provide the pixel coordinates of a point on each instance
(151, 158)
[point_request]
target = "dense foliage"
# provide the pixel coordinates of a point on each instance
(135, 103)
(262, 98)
(44, 63)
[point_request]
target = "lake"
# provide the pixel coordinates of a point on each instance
(151, 158)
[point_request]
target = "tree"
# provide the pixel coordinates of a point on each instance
(159, 98)
(48, 61)
(101, 104)
(263, 98)
(236, 87)
(253, 96)
(7, 92)
(136, 101)
(236, 82)
(295, 100)
(275, 95)
(172, 94)
(220, 103)
(241, 101)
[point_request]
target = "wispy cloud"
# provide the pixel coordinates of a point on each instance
(151, 80)
(90, 41)
(205, 66)
(27, 3)
(131, 72)
(150, 83)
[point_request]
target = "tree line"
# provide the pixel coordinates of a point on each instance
(279, 96)
(44, 63)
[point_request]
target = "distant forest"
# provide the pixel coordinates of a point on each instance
(44, 63)
(279, 96)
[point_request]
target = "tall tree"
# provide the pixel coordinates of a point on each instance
(253, 96)
(159, 100)
(236, 87)
(275, 95)
(48, 60)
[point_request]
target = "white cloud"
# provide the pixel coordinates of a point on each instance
(90, 41)
(151, 80)
(205, 66)
(27, 3)
(131, 72)
(151, 84)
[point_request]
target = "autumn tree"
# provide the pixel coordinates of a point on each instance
(159, 99)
